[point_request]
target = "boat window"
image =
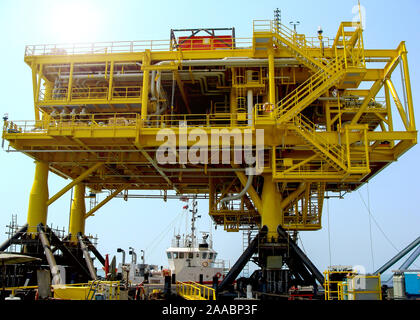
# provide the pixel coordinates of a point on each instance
(190, 255)
(169, 255)
(181, 255)
(175, 255)
(198, 255)
(215, 255)
(211, 255)
(204, 255)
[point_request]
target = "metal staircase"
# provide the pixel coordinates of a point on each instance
(348, 62)
(298, 46)
(331, 153)
(310, 90)
(346, 160)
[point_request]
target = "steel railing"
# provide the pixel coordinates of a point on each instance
(90, 93)
(114, 120)
(310, 128)
(128, 47)
(309, 89)
(195, 291)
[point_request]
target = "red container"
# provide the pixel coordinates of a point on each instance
(205, 42)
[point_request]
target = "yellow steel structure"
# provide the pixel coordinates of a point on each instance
(37, 209)
(339, 289)
(77, 213)
(78, 291)
(110, 290)
(195, 291)
(99, 108)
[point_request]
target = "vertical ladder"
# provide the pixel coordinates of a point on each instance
(247, 236)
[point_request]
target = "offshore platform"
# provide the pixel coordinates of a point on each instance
(261, 127)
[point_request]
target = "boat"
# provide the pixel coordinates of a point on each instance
(189, 259)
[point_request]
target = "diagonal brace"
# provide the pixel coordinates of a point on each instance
(105, 201)
(74, 182)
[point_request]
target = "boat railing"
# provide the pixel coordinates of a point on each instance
(224, 264)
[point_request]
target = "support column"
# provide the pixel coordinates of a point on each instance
(272, 214)
(36, 83)
(111, 81)
(70, 86)
(146, 83)
(271, 79)
(38, 197)
(408, 89)
(250, 97)
(77, 213)
(233, 107)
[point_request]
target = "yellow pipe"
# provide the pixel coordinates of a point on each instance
(145, 91)
(271, 80)
(38, 84)
(77, 213)
(38, 208)
(111, 80)
(74, 182)
(69, 88)
(389, 112)
(35, 88)
(272, 214)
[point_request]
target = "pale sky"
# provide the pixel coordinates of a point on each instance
(393, 193)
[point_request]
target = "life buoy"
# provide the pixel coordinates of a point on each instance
(218, 274)
(205, 264)
(268, 107)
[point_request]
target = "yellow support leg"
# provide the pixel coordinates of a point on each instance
(272, 214)
(408, 88)
(38, 208)
(77, 213)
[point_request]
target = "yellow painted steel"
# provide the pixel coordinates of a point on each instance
(64, 292)
(38, 197)
(333, 290)
(103, 202)
(145, 92)
(77, 213)
(86, 291)
(316, 98)
(339, 290)
(407, 83)
(13, 290)
(76, 181)
(271, 80)
(354, 294)
(195, 291)
(272, 213)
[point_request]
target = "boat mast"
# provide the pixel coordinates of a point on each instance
(193, 219)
